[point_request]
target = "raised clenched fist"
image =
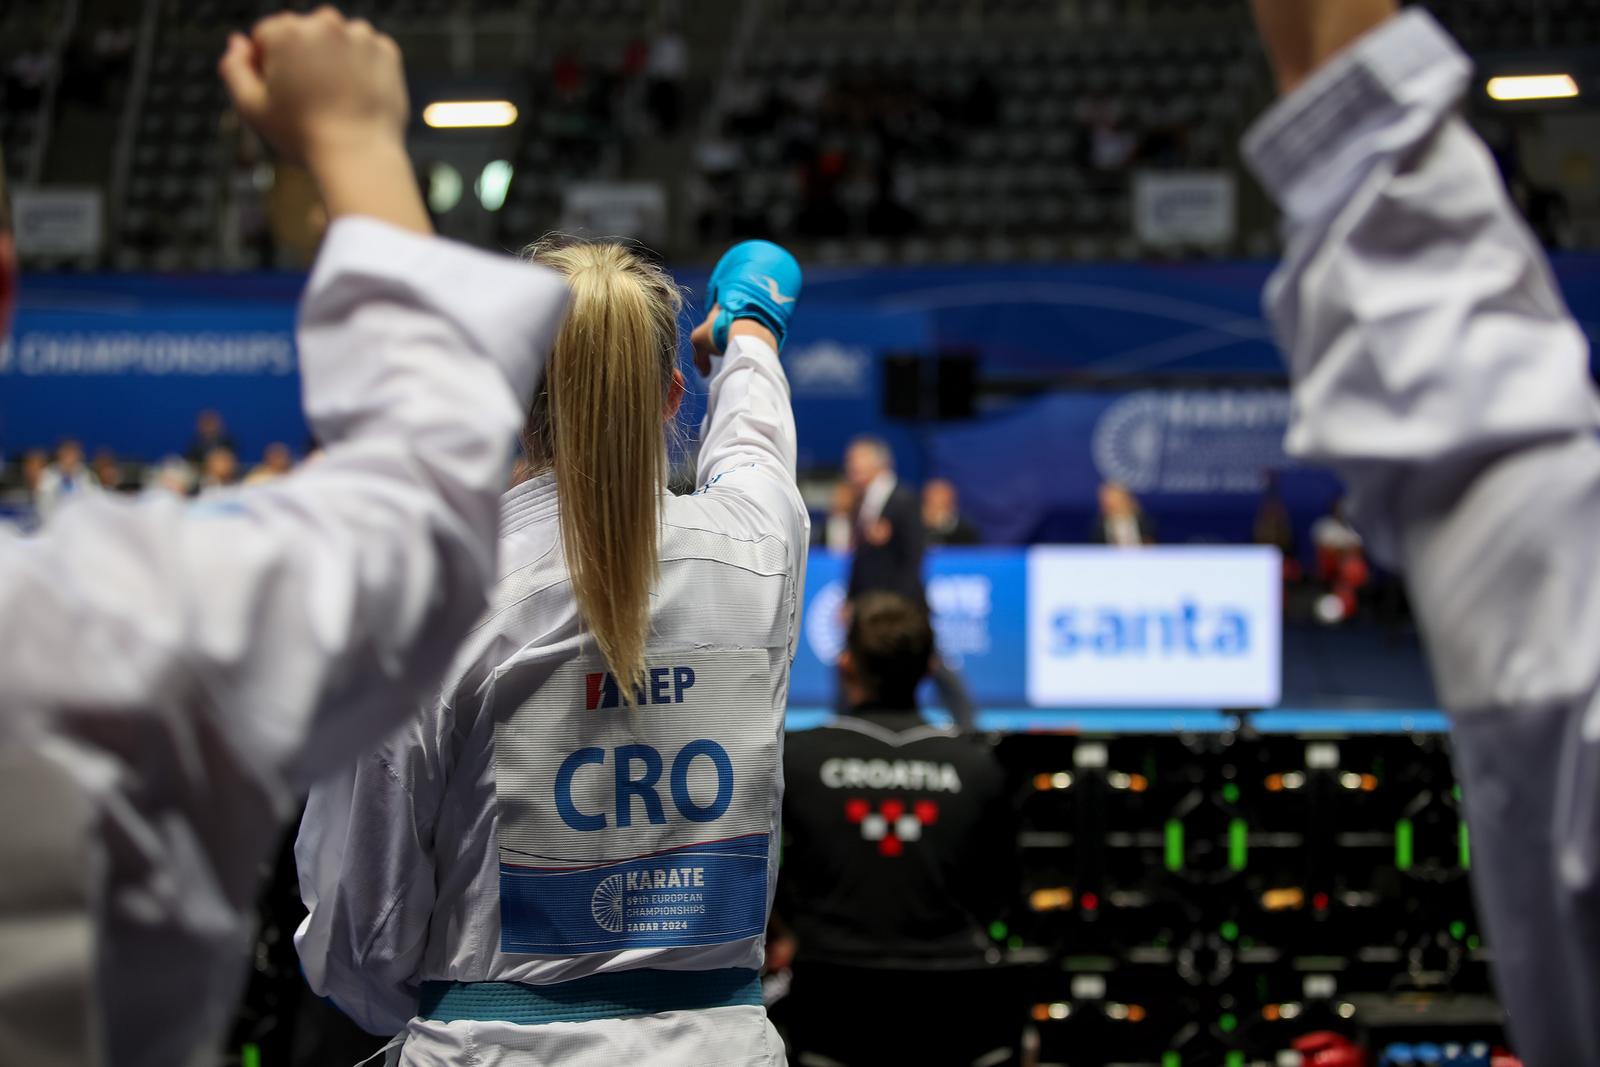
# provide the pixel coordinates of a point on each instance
(318, 84)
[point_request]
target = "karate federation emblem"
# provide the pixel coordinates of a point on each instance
(892, 825)
(609, 904)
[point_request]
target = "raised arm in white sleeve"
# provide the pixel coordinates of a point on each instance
(748, 449)
(1436, 368)
(191, 666)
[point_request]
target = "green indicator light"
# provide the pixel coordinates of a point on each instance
(1402, 844)
(1234, 1059)
(1463, 846)
(1238, 846)
(1474, 942)
(1230, 793)
(1228, 1022)
(997, 930)
(1014, 942)
(250, 1056)
(1230, 930)
(1174, 845)
(1458, 929)
(1455, 791)
(1171, 1059)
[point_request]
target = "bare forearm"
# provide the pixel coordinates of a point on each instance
(375, 181)
(1302, 35)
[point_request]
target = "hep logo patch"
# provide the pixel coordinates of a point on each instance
(892, 825)
(663, 685)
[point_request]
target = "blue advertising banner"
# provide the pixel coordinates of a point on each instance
(125, 361)
(132, 378)
(1079, 627)
(977, 598)
(1197, 460)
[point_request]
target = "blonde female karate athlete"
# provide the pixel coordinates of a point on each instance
(569, 858)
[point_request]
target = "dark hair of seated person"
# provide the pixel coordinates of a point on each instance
(890, 642)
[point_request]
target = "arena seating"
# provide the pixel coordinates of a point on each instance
(862, 131)
(947, 130)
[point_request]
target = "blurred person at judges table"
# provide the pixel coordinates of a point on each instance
(942, 522)
(67, 478)
(276, 461)
(176, 671)
(1121, 523)
(219, 470)
(209, 432)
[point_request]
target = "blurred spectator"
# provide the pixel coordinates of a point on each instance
(942, 523)
(220, 468)
(67, 477)
(1111, 143)
(900, 848)
(108, 471)
(209, 432)
(667, 69)
(27, 74)
(174, 475)
(246, 237)
(838, 531)
(276, 461)
(1341, 564)
(112, 46)
(34, 463)
(567, 76)
(1335, 539)
(887, 538)
(887, 525)
(1122, 522)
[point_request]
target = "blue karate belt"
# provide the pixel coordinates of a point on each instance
(598, 996)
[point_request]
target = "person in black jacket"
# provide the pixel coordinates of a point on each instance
(887, 527)
(888, 542)
(900, 849)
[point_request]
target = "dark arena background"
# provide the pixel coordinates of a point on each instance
(1034, 264)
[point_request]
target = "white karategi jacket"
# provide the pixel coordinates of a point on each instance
(1436, 368)
(176, 672)
(529, 827)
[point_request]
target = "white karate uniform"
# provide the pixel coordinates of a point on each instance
(527, 828)
(176, 672)
(1437, 370)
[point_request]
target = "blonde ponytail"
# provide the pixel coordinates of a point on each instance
(598, 422)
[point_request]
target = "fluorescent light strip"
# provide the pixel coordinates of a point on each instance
(1533, 87)
(465, 114)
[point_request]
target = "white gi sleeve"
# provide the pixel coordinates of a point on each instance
(748, 449)
(1436, 368)
(365, 860)
(306, 616)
